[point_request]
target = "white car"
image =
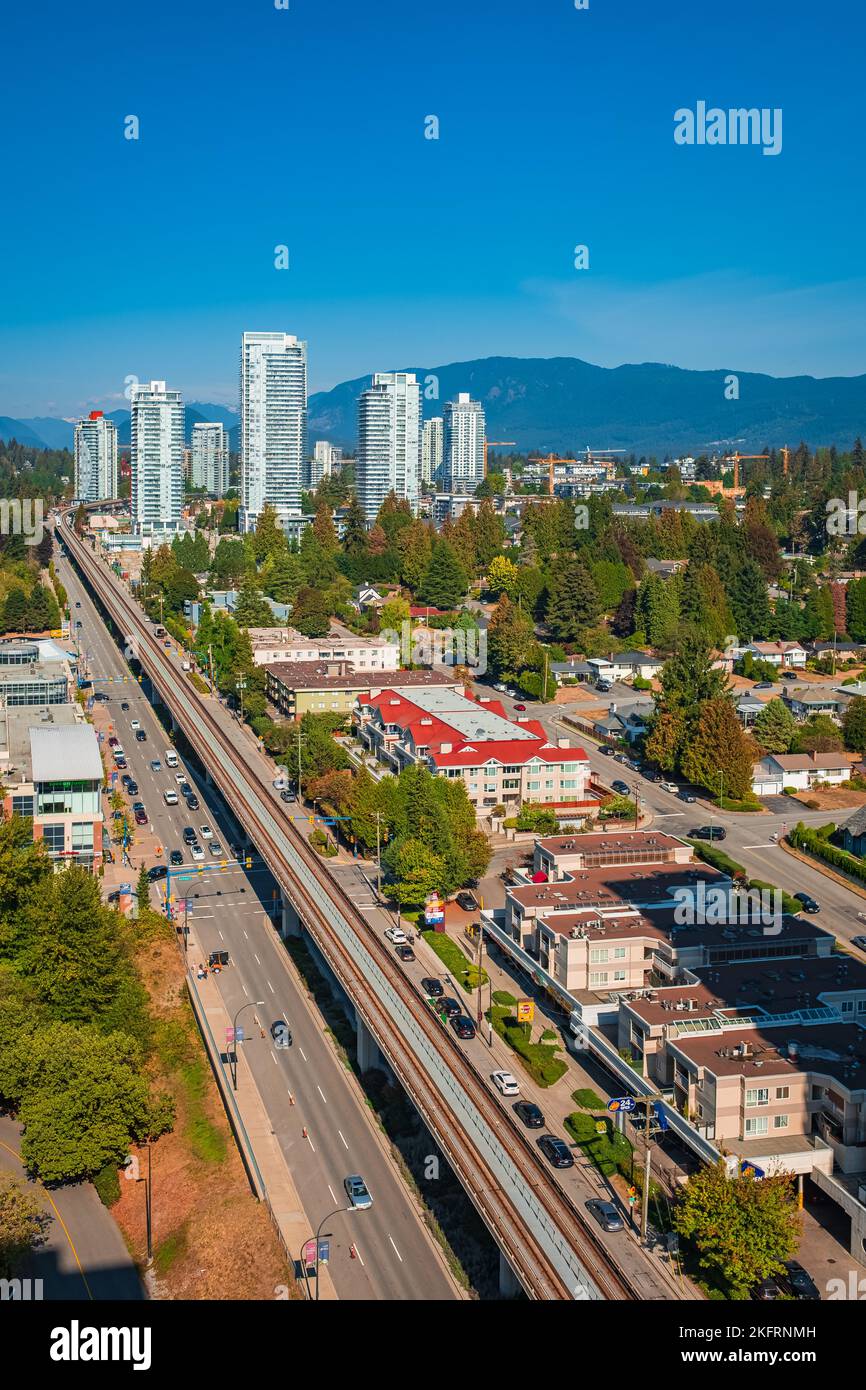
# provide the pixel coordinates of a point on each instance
(196, 851)
(396, 935)
(170, 798)
(216, 849)
(180, 777)
(205, 832)
(505, 1083)
(669, 786)
(500, 688)
(135, 724)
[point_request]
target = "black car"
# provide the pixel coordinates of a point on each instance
(140, 736)
(798, 1282)
(175, 857)
(185, 789)
(124, 704)
(809, 904)
(607, 750)
(432, 987)
(125, 779)
(189, 835)
(405, 953)
(132, 787)
(708, 832)
(288, 796)
(445, 1004)
(619, 786)
(467, 902)
(102, 697)
(192, 803)
(556, 1151)
(462, 1025)
(157, 872)
(530, 1114)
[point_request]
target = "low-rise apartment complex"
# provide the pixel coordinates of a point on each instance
(273, 644)
(52, 773)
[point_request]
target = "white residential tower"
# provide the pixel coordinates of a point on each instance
(273, 425)
(389, 441)
(95, 458)
(156, 497)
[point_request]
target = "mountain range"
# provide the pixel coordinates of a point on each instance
(562, 403)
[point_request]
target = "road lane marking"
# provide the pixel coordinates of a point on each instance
(46, 1193)
(358, 1253)
(769, 845)
(303, 1053)
(274, 1055)
(270, 986)
(396, 1251)
(332, 1192)
(345, 1145)
(321, 1093)
(258, 962)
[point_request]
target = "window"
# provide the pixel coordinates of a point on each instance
(758, 1096)
(598, 977)
(619, 953)
(82, 835)
(598, 954)
(780, 1122)
(756, 1125)
(533, 786)
(54, 838)
(782, 1092)
(22, 805)
(619, 974)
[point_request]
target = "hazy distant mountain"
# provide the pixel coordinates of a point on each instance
(563, 403)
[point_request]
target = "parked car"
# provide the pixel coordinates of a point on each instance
(605, 1214)
(766, 1291)
(521, 708)
(607, 750)
(619, 786)
(556, 1151)
(175, 857)
(448, 1005)
(281, 1033)
(141, 818)
(288, 796)
(859, 942)
(790, 676)
(357, 1192)
(125, 779)
(505, 1083)
(798, 1283)
(687, 796)
(432, 987)
(467, 902)
(405, 953)
(395, 935)
(669, 787)
(132, 787)
(530, 1114)
(708, 832)
(114, 741)
(809, 904)
(603, 687)
(196, 851)
(763, 685)
(463, 1026)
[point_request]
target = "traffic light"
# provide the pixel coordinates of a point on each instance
(248, 862)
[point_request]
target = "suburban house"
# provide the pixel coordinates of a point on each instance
(624, 666)
(500, 761)
(666, 568)
(843, 651)
(787, 654)
(801, 771)
(805, 700)
(573, 669)
(748, 708)
(853, 833)
(627, 720)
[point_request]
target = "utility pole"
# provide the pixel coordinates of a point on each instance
(636, 804)
(378, 855)
(299, 767)
(210, 664)
(647, 1163)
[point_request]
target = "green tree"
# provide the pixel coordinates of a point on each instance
(269, 538)
(657, 609)
(855, 609)
(509, 634)
(854, 725)
(775, 727)
(310, 613)
(718, 743)
(251, 610)
(749, 603)
(355, 528)
(742, 1229)
(573, 603)
(819, 734)
(445, 581)
(142, 888)
(282, 576)
(23, 1221)
(416, 873)
(503, 576)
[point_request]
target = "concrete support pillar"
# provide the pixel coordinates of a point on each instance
(289, 924)
(509, 1284)
(369, 1055)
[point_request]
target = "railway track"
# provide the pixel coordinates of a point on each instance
(554, 1253)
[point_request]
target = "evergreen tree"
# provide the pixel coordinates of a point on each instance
(854, 725)
(269, 537)
(749, 603)
(445, 581)
(310, 614)
(717, 744)
(855, 610)
(355, 528)
(573, 603)
(775, 727)
(509, 635)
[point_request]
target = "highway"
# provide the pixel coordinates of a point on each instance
(548, 1243)
(397, 1258)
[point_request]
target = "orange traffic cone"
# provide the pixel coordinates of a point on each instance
(304, 1134)
(352, 1255)
(291, 1099)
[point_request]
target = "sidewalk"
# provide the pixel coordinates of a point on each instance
(269, 1172)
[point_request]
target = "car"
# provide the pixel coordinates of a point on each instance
(607, 750)
(175, 857)
(505, 1083)
(556, 1151)
(511, 693)
(192, 803)
(859, 942)
(432, 987)
(278, 783)
(132, 787)
(113, 741)
(687, 796)
(619, 786)
(236, 851)
(125, 779)
(186, 789)
(78, 603)
(179, 777)
(119, 760)
(157, 872)
(189, 836)
(500, 687)
(196, 851)
(155, 765)
(140, 736)
(708, 832)
(605, 1214)
(809, 904)
(763, 685)
(530, 1114)
(622, 758)
(798, 1282)
(405, 953)
(766, 1291)
(137, 805)
(133, 723)
(790, 676)
(603, 687)
(288, 796)
(281, 1033)
(448, 1006)
(167, 642)
(124, 704)
(462, 1025)
(357, 1192)
(669, 787)
(216, 849)
(141, 818)
(205, 832)
(102, 697)
(396, 935)
(520, 707)
(467, 902)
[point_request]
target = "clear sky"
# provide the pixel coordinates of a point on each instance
(305, 127)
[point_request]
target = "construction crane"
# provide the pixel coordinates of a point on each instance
(498, 444)
(551, 461)
(736, 459)
(786, 454)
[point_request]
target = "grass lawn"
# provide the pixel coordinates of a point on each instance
(455, 961)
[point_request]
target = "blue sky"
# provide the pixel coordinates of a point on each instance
(305, 127)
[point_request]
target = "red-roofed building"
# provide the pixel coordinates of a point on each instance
(500, 761)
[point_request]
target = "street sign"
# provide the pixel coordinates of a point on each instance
(525, 1010)
(309, 1253)
(230, 1035)
(324, 1251)
(661, 1117)
(239, 1034)
(621, 1103)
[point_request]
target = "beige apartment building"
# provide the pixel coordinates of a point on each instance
(273, 644)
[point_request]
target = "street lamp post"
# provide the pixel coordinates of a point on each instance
(253, 1004)
(318, 1237)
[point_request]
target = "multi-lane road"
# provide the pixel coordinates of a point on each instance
(396, 1257)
